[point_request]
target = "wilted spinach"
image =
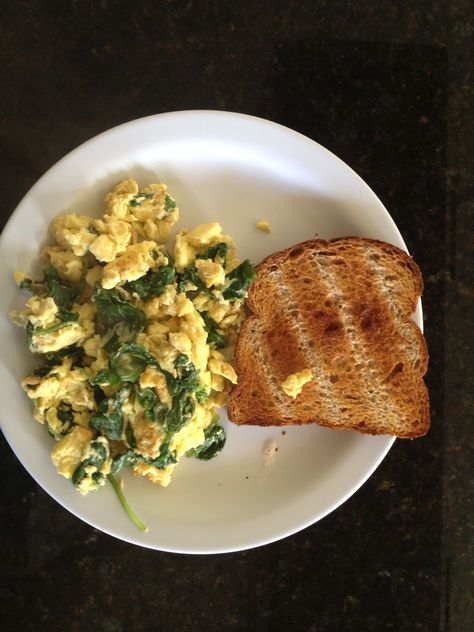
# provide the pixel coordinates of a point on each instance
(63, 295)
(98, 454)
(64, 413)
(170, 204)
(139, 198)
(220, 250)
(126, 459)
(240, 279)
(202, 394)
(109, 417)
(153, 409)
(190, 275)
(55, 358)
(214, 442)
(113, 309)
(64, 317)
(152, 283)
(213, 334)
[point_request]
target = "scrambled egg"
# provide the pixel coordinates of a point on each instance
(264, 226)
(136, 344)
(293, 384)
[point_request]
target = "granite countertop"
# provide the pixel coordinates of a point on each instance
(388, 87)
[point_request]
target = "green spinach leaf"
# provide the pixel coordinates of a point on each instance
(170, 204)
(153, 409)
(64, 413)
(106, 377)
(126, 459)
(240, 280)
(98, 454)
(113, 309)
(153, 283)
(213, 335)
(109, 417)
(220, 250)
(214, 442)
(55, 358)
(65, 318)
(63, 295)
(190, 275)
(165, 457)
(139, 198)
(202, 394)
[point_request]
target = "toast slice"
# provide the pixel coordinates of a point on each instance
(341, 308)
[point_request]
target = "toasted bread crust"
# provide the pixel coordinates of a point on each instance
(343, 309)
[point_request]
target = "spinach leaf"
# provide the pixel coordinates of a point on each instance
(65, 416)
(126, 459)
(213, 334)
(202, 394)
(131, 458)
(180, 413)
(128, 364)
(138, 351)
(53, 286)
(165, 457)
(62, 294)
(170, 204)
(139, 198)
(153, 409)
(109, 417)
(153, 283)
(113, 309)
(27, 284)
(54, 358)
(240, 280)
(92, 229)
(220, 250)
(214, 442)
(181, 360)
(188, 378)
(29, 336)
(105, 377)
(112, 345)
(130, 437)
(98, 454)
(41, 331)
(190, 275)
(64, 413)
(64, 317)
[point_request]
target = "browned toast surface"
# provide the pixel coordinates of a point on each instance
(341, 308)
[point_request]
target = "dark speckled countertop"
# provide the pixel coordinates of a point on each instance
(388, 87)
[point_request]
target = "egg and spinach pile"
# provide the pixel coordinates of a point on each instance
(136, 341)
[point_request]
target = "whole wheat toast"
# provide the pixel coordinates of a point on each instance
(341, 308)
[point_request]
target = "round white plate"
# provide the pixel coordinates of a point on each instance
(234, 169)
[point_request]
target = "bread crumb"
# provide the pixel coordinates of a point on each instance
(270, 448)
(293, 385)
(264, 225)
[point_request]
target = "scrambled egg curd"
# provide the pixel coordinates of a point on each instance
(136, 341)
(293, 384)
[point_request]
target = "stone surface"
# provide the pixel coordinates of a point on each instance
(388, 87)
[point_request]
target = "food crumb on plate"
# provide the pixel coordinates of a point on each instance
(270, 448)
(263, 225)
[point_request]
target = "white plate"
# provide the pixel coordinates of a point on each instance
(235, 169)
